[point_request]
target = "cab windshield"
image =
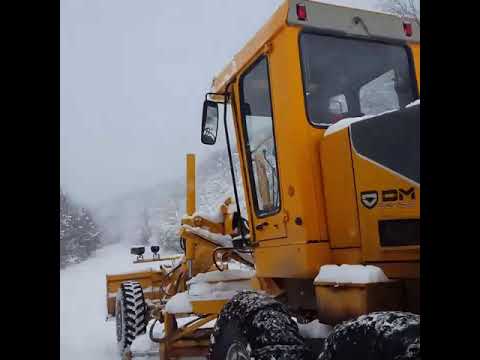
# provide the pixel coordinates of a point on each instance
(346, 77)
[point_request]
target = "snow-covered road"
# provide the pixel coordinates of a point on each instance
(84, 333)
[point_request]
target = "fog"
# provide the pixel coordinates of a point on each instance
(133, 76)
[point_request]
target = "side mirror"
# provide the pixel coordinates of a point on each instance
(209, 122)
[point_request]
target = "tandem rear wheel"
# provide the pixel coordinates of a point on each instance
(256, 326)
(381, 335)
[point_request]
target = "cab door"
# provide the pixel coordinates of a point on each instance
(260, 152)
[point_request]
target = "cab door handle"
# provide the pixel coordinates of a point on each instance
(261, 226)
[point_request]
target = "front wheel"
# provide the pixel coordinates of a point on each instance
(130, 314)
(256, 326)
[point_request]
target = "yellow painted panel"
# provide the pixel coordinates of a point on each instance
(339, 303)
(369, 176)
(403, 270)
(191, 195)
(243, 58)
(272, 226)
(297, 143)
(340, 196)
(208, 306)
(292, 261)
(416, 59)
(347, 256)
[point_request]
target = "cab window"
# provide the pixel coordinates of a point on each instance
(346, 77)
(260, 147)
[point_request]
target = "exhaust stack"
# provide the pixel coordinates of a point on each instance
(191, 194)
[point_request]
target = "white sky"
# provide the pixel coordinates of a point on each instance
(133, 76)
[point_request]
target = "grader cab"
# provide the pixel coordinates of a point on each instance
(325, 105)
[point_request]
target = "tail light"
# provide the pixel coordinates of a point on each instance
(407, 29)
(301, 12)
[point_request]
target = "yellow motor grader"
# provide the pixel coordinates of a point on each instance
(325, 104)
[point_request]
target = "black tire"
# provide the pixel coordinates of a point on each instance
(392, 335)
(256, 326)
(130, 314)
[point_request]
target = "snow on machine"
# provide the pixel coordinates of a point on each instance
(325, 104)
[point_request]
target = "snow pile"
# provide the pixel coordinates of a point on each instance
(219, 239)
(353, 274)
(215, 217)
(342, 124)
(217, 291)
(219, 284)
(416, 102)
(314, 330)
(142, 343)
(179, 303)
(227, 275)
(233, 207)
(215, 285)
(235, 265)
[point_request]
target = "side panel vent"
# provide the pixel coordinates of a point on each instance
(402, 232)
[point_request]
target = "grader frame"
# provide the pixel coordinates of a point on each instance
(320, 219)
(158, 286)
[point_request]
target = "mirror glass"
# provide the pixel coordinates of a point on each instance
(209, 122)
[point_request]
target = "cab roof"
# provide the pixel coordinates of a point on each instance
(322, 17)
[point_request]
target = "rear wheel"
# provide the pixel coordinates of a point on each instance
(380, 335)
(130, 314)
(256, 326)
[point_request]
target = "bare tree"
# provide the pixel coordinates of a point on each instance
(408, 9)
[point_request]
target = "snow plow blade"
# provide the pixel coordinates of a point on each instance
(149, 280)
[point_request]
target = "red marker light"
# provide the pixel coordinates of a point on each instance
(301, 12)
(407, 29)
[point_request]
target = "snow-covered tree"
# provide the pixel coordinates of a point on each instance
(153, 216)
(79, 234)
(144, 229)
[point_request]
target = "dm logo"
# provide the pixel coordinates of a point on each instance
(389, 198)
(369, 199)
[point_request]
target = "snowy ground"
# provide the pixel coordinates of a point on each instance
(84, 333)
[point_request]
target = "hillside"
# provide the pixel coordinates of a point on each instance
(152, 216)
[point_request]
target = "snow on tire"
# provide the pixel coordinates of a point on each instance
(381, 335)
(256, 326)
(130, 314)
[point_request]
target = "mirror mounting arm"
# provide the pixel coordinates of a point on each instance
(226, 96)
(232, 171)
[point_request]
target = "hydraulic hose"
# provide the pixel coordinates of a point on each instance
(150, 334)
(214, 254)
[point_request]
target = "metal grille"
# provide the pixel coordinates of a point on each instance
(402, 232)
